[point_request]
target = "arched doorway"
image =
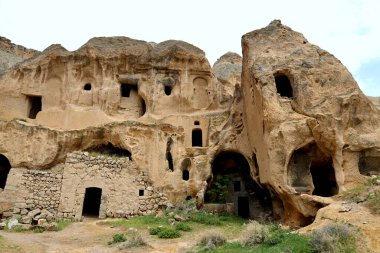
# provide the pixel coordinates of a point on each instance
(231, 184)
(91, 202)
(5, 167)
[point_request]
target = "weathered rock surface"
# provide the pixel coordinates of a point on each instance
(310, 126)
(376, 101)
(141, 126)
(11, 54)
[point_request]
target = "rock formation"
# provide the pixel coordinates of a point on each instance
(134, 127)
(311, 128)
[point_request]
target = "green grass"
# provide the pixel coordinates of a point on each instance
(139, 222)
(164, 232)
(182, 226)
(367, 193)
(62, 224)
(215, 220)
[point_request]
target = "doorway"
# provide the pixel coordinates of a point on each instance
(91, 202)
(243, 207)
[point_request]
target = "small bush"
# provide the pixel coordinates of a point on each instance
(212, 241)
(62, 224)
(116, 238)
(38, 230)
(182, 227)
(206, 218)
(168, 233)
(254, 234)
(335, 238)
(155, 231)
(18, 229)
(134, 239)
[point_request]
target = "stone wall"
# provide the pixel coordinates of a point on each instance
(120, 181)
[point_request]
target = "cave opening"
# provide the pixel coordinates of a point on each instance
(91, 202)
(283, 85)
(168, 155)
(168, 90)
(185, 175)
(87, 86)
(5, 167)
(323, 174)
(110, 150)
(311, 171)
(35, 106)
(231, 183)
(196, 138)
(369, 163)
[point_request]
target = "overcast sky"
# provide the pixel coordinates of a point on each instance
(349, 29)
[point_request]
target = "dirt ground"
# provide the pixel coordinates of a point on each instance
(89, 237)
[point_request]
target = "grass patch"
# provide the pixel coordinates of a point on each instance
(164, 232)
(368, 194)
(134, 239)
(337, 238)
(117, 238)
(138, 222)
(62, 224)
(181, 226)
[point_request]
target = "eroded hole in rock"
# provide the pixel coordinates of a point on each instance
(311, 171)
(369, 163)
(283, 85)
(5, 167)
(185, 175)
(91, 202)
(125, 89)
(109, 150)
(34, 105)
(168, 90)
(233, 186)
(169, 156)
(196, 138)
(87, 86)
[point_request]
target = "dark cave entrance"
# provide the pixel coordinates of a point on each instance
(167, 90)
(196, 138)
(231, 183)
(91, 202)
(283, 85)
(35, 106)
(310, 168)
(109, 150)
(323, 174)
(5, 167)
(369, 163)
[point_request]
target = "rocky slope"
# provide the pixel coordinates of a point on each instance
(11, 54)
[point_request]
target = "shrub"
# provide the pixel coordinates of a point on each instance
(38, 230)
(62, 224)
(163, 232)
(254, 234)
(155, 231)
(134, 239)
(212, 241)
(168, 233)
(182, 227)
(334, 238)
(206, 218)
(116, 238)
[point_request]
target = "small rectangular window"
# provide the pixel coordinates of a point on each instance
(141, 192)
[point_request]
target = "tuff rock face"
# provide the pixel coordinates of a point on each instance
(137, 126)
(313, 131)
